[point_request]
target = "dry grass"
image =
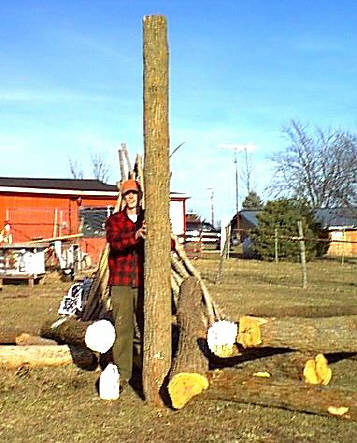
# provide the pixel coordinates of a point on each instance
(62, 405)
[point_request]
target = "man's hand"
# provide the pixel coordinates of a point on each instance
(141, 232)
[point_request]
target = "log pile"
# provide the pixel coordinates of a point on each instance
(296, 373)
(278, 362)
(284, 362)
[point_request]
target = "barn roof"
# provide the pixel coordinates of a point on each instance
(65, 186)
(329, 218)
(336, 217)
(250, 215)
(56, 183)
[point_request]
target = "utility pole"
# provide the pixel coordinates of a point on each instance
(237, 192)
(237, 148)
(212, 205)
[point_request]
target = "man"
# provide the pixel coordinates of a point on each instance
(125, 232)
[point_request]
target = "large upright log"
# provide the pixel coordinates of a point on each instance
(187, 377)
(326, 335)
(157, 307)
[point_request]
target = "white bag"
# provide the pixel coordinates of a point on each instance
(109, 383)
(100, 336)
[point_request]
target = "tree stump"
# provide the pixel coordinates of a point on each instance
(187, 376)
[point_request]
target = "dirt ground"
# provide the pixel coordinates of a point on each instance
(62, 404)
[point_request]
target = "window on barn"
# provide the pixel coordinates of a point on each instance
(92, 221)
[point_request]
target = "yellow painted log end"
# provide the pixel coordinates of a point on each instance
(249, 334)
(317, 371)
(184, 386)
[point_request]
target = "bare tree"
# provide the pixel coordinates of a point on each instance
(319, 167)
(76, 170)
(99, 167)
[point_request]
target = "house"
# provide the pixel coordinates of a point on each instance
(245, 222)
(340, 223)
(38, 208)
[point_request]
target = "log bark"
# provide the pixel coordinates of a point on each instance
(321, 335)
(238, 386)
(12, 357)
(65, 330)
(157, 308)
(187, 375)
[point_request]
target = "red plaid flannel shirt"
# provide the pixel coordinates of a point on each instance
(126, 256)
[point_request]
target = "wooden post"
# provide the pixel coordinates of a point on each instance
(157, 305)
(55, 223)
(343, 248)
(302, 255)
(121, 164)
(276, 245)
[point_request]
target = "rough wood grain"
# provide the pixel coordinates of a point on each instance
(157, 284)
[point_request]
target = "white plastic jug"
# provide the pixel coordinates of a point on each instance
(109, 383)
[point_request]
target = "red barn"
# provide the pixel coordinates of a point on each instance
(46, 208)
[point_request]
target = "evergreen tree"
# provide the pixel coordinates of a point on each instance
(252, 201)
(283, 215)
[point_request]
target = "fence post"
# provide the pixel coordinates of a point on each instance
(302, 255)
(276, 245)
(223, 257)
(343, 248)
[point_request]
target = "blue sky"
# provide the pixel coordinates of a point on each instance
(71, 84)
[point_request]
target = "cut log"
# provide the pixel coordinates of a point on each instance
(305, 311)
(66, 330)
(25, 339)
(42, 356)
(311, 368)
(238, 386)
(187, 376)
(321, 335)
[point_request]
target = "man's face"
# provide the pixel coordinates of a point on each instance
(131, 199)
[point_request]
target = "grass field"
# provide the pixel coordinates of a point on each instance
(62, 404)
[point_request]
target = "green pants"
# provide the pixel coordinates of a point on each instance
(127, 307)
